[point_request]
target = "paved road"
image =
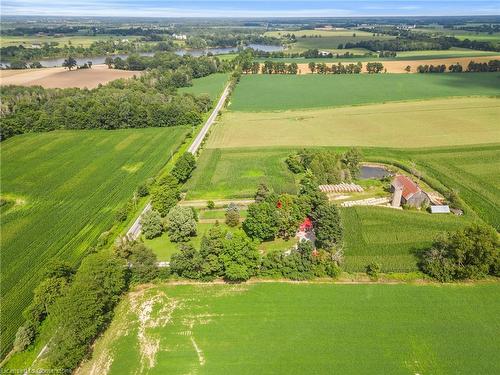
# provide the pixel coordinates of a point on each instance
(135, 230)
(203, 132)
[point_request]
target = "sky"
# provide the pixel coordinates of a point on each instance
(249, 8)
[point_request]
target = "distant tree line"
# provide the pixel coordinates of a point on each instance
(195, 67)
(23, 56)
(472, 67)
(308, 54)
(150, 100)
(421, 42)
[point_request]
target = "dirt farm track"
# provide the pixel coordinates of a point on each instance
(62, 78)
(399, 66)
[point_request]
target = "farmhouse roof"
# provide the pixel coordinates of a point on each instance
(306, 224)
(409, 187)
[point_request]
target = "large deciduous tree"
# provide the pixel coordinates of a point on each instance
(181, 224)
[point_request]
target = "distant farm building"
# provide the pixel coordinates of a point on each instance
(341, 188)
(407, 192)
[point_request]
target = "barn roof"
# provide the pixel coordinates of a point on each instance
(409, 187)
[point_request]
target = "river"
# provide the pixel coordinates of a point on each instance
(49, 63)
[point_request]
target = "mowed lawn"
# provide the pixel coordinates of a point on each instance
(236, 173)
(265, 92)
(391, 237)
(211, 85)
(63, 189)
(426, 123)
(280, 328)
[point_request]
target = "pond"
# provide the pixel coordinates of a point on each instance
(367, 172)
(49, 63)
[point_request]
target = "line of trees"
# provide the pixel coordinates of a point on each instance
(472, 67)
(322, 68)
(407, 40)
(271, 67)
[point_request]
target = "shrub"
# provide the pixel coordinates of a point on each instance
(262, 193)
(151, 224)
(24, 337)
(373, 270)
(210, 205)
(121, 213)
(294, 163)
(232, 215)
(469, 253)
(143, 263)
(187, 263)
(181, 224)
(142, 190)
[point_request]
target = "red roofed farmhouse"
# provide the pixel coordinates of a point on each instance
(405, 191)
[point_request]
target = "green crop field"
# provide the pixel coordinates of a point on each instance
(391, 237)
(212, 85)
(63, 189)
(236, 173)
(278, 328)
(281, 92)
(427, 123)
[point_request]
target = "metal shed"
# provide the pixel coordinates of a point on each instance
(440, 209)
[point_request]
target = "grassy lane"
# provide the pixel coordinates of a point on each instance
(275, 328)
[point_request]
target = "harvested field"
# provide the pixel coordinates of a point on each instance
(263, 92)
(62, 78)
(284, 328)
(399, 66)
(438, 122)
